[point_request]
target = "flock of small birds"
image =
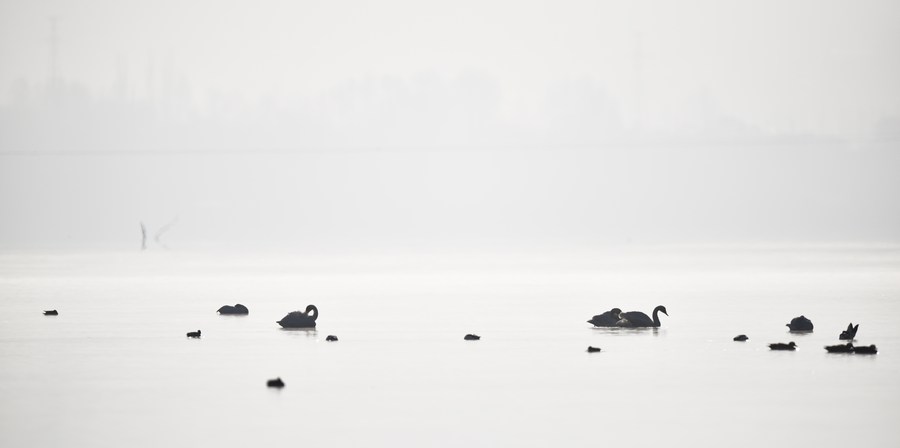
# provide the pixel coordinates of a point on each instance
(804, 325)
(612, 318)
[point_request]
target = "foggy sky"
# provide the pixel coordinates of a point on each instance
(407, 123)
(823, 67)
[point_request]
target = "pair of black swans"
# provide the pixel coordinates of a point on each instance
(294, 319)
(629, 319)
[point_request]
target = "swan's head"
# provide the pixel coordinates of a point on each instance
(312, 312)
(615, 312)
(662, 309)
(792, 344)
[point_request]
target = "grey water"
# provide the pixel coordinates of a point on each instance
(115, 368)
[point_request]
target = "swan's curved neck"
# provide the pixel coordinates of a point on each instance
(312, 312)
(656, 322)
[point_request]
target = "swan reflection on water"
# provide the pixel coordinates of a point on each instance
(628, 331)
(307, 332)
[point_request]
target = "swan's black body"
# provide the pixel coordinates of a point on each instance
(840, 348)
(800, 324)
(275, 383)
(331, 338)
(865, 350)
(301, 319)
(637, 319)
(741, 337)
(782, 346)
(51, 313)
(472, 337)
(607, 319)
(237, 309)
(194, 334)
(850, 333)
(593, 349)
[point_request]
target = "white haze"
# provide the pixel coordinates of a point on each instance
(457, 124)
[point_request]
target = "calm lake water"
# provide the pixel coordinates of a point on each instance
(115, 368)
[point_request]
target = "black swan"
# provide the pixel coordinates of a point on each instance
(800, 324)
(300, 319)
(850, 333)
(331, 338)
(194, 334)
(637, 319)
(607, 319)
(870, 350)
(593, 349)
(51, 313)
(275, 383)
(840, 348)
(783, 346)
(237, 309)
(741, 337)
(472, 337)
